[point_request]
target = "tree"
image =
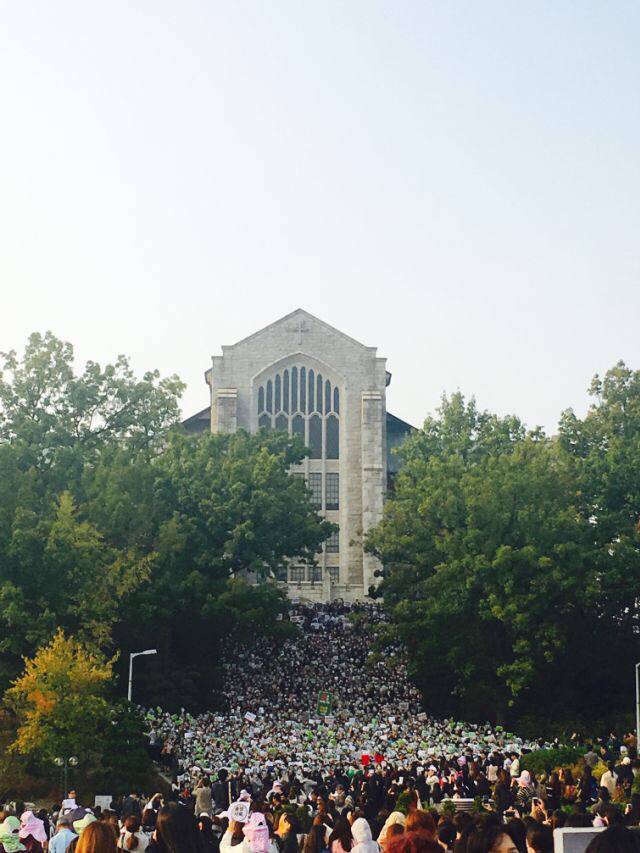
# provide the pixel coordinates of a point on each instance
(492, 575)
(60, 571)
(234, 505)
(126, 533)
(224, 510)
(60, 702)
(59, 419)
(605, 447)
(56, 427)
(62, 705)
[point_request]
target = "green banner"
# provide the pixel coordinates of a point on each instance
(325, 701)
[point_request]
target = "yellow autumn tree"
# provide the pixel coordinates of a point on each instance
(60, 702)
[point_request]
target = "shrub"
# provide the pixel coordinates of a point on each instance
(545, 760)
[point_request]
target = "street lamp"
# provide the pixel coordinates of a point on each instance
(65, 763)
(131, 657)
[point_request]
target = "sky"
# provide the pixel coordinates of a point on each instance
(455, 183)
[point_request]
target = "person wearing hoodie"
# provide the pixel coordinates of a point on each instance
(9, 837)
(394, 818)
(32, 833)
(362, 840)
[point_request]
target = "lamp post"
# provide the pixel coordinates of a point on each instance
(131, 657)
(65, 763)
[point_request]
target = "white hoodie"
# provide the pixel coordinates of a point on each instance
(362, 836)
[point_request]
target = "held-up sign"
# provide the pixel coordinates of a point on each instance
(325, 700)
(251, 717)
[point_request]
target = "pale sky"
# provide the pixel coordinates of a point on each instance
(455, 183)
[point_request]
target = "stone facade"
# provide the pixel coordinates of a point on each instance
(304, 376)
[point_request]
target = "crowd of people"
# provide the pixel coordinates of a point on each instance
(271, 721)
(323, 748)
(370, 812)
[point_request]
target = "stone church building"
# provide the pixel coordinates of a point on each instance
(303, 376)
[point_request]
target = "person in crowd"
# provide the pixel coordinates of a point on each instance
(210, 837)
(63, 837)
(392, 832)
(234, 839)
(287, 833)
(341, 838)
(553, 792)
(203, 798)
(362, 839)
(490, 837)
(413, 842)
(569, 787)
(176, 831)
(539, 839)
(609, 778)
(32, 833)
(131, 806)
(315, 840)
(616, 839)
(396, 818)
(96, 837)
(110, 818)
(446, 835)
(422, 822)
(558, 819)
(131, 836)
(10, 835)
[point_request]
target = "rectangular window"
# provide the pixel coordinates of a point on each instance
(296, 574)
(333, 543)
(332, 491)
(315, 574)
(315, 487)
(334, 573)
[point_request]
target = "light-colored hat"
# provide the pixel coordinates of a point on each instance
(9, 837)
(31, 825)
(79, 825)
(524, 779)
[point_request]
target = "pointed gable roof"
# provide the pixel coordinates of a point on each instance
(301, 315)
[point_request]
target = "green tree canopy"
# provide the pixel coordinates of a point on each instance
(493, 572)
(126, 533)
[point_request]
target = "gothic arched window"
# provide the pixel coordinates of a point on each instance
(278, 401)
(312, 387)
(303, 389)
(333, 437)
(313, 403)
(315, 436)
(294, 389)
(297, 426)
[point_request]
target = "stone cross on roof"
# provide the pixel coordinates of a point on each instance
(300, 328)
